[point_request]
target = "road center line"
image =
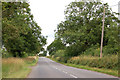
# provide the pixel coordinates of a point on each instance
(56, 68)
(73, 76)
(67, 73)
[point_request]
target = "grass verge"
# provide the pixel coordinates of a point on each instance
(102, 70)
(17, 67)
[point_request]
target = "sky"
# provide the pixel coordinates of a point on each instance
(49, 13)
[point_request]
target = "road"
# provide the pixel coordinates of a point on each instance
(47, 68)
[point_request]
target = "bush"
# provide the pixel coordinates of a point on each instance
(108, 62)
(60, 53)
(110, 49)
(107, 50)
(53, 56)
(24, 54)
(5, 54)
(93, 50)
(58, 58)
(64, 59)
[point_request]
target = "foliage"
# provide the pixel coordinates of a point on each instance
(94, 50)
(102, 70)
(80, 34)
(54, 46)
(17, 67)
(44, 53)
(21, 34)
(108, 62)
(111, 49)
(81, 30)
(60, 53)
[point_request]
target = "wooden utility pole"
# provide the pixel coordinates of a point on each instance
(102, 33)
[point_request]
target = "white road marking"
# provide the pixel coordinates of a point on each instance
(67, 73)
(73, 76)
(56, 68)
(64, 71)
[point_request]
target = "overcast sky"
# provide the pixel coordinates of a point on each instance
(49, 13)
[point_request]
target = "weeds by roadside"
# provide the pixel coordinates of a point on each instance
(17, 67)
(107, 65)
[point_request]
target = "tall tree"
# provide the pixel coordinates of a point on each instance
(21, 34)
(83, 24)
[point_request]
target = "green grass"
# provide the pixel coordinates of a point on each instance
(19, 74)
(106, 71)
(17, 67)
(102, 70)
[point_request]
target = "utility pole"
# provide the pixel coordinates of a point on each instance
(102, 33)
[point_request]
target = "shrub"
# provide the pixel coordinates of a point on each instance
(93, 50)
(110, 49)
(24, 54)
(64, 59)
(60, 53)
(58, 58)
(5, 54)
(53, 56)
(108, 62)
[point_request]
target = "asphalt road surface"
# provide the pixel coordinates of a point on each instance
(47, 68)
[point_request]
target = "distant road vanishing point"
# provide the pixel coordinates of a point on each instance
(47, 68)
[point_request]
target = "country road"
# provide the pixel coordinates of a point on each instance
(47, 68)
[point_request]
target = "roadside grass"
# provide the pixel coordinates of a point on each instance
(17, 67)
(106, 71)
(102, 70)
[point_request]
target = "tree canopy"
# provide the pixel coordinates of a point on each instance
(21, 34)
(83, 25)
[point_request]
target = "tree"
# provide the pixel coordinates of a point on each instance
(21, 34)
(82, 27)
(54, 46)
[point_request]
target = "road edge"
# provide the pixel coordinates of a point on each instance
(88, 68)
